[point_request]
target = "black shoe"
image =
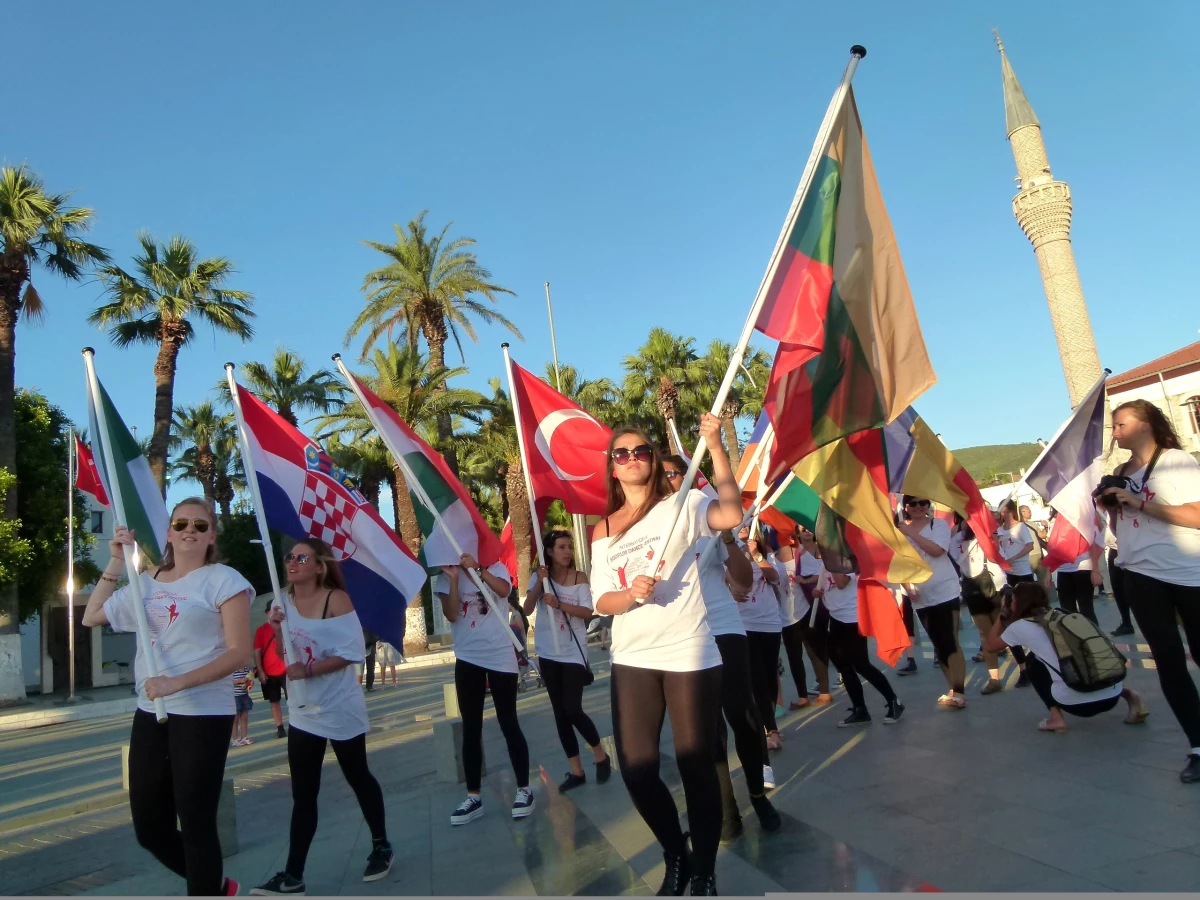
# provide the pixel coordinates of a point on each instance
(1122, 630)
(603, 771)
(280, 732)
(857, 717)
(1023, 679)
(281, 883)
(678, 871)
(379, 863)
(704, 886)
(1191, 772)
(573, 781)
(895, 709)
(909, 669)
(768, 817)
(731, 830)
(937, 664)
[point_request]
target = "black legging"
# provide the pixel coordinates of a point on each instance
(1116, 575)
(470, 682)
(848, 651)
(910, 620)
(369, 667)
(798, 636)
(640, 700)
(1155, 605)
(941, 624)
(564, 686)
(175, 774)
(306, 755)
(764, 670)
(741, 712)
(1077, 594)
(1043, 683)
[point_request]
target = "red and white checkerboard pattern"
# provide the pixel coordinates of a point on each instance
(326, 513)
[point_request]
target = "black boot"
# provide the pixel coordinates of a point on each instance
(678, 871)
(704, 886)
(768, 817)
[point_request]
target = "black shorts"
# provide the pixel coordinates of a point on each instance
(274, 688)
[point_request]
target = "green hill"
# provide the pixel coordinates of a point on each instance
(996, 459)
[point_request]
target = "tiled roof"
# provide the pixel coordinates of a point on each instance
(1164, 364)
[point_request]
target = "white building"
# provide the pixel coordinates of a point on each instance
(1172, 383)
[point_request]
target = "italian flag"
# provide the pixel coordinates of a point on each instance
(135, 492)
(851, 354)
(460, 519)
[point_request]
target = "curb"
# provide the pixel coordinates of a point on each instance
(41, 717)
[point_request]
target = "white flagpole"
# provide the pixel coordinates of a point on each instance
(752, 512)
(857, 52)
(295, 688)
(71, 464)
(414, 485)
(130, 553)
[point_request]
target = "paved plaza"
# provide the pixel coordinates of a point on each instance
(971, 800)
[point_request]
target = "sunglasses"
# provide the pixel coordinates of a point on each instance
(917, 503)
(672, 474)
(301, 558)
(201, 525)
(642, 453)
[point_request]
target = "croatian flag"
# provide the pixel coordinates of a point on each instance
(306, 496)
(1064, 476)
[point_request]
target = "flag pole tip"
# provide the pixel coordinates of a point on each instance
(229, 366)
(1108, 371)
(858, 50)
(336, 357)
(504, 346)
(88, 351)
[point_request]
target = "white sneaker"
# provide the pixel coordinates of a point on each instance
(768, 778)
(522, 803)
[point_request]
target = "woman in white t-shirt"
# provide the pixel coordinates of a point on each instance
(560, 633)
(664, 658)
(937, 600)
(1077, 581)
(484, 657)
(759, 609)
(198, 612)
(798, 636)
(1015, 541)
(327, 643)
(979, 579)
(1156, 518)
(1020, 624)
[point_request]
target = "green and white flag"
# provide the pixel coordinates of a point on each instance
(135, 496)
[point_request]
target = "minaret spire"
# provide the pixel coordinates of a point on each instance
(1017, 111)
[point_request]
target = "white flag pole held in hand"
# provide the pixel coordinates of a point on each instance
(129, 552)
(296, 688)
(857, 52)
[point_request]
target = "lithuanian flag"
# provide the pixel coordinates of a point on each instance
(851, 354)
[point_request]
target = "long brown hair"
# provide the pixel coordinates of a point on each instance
(660, 487)
(210, 554)
(332, 577)
(1160, 425)
(1028, 598)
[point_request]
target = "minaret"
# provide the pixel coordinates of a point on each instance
(1043, 209)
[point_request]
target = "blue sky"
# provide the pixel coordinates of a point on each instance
(640, 157)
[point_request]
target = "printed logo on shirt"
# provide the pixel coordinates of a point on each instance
(162, 609)
(474, 608)
(635, 562)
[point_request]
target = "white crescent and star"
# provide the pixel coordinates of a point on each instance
(545, 431)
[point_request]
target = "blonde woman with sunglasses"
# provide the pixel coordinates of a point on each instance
(199, 616)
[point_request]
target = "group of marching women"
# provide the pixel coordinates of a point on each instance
(698, 627)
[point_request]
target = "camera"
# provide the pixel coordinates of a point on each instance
(1107, 482)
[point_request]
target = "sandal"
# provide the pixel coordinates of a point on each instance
(1045, 725)
(953, 701)
(774, 741)
(798, 704)
(1138, 717)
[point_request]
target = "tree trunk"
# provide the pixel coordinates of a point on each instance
(14, 271)
(164, 398)
(731, 438)
(285, 413)
(522, 525)
(434, 327)
(206, 471)
(502, 471)
(403, 511)
(369, 488)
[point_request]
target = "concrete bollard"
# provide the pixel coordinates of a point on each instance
(227, 820)
(447, 750)
(450, 700)
(610, 747)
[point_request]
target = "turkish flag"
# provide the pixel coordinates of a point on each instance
(508, 550)
(565, 448)
(87, 477)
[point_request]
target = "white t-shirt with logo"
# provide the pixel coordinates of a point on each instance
(840, 603)
(1150, 546)
(480, 636)
(761, 611)
(972, 561)
(670, 631)
(1033, 637)
(550, 633)
(943, 585)
(334, 704)
(809, 565)
(1082, 564)
(184, 618)
(720, 607)
(1012, 541)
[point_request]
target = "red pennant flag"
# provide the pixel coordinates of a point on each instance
(565, 447)
(87, 476)
(508, 550)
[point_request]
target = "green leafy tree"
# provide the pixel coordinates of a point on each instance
(665, 376)
(432, 287)
(600, 397)
(287, 386)
(170, 286)
(198, 431)
(15, 551)
(37, 229)
(237, 546)
(746, 394)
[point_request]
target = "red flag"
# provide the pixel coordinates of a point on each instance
(879, 617)
(565, 447)
(508, 550)
(87, 477)
(1065, 544)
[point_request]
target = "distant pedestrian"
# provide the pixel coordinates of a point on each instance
(370, 643)
(242, 683)
(271, 670)
(979, 580)
(389, 656)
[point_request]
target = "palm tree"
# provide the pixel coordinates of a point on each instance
(200, 429)
(666, 369)
(745, 396)
(36, 228)
(285, 386)
(430, 286)
(599, 397)
(170, 286)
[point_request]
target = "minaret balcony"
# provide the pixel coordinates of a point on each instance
(1044, 212)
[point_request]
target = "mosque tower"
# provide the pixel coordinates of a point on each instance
(1043, 210)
